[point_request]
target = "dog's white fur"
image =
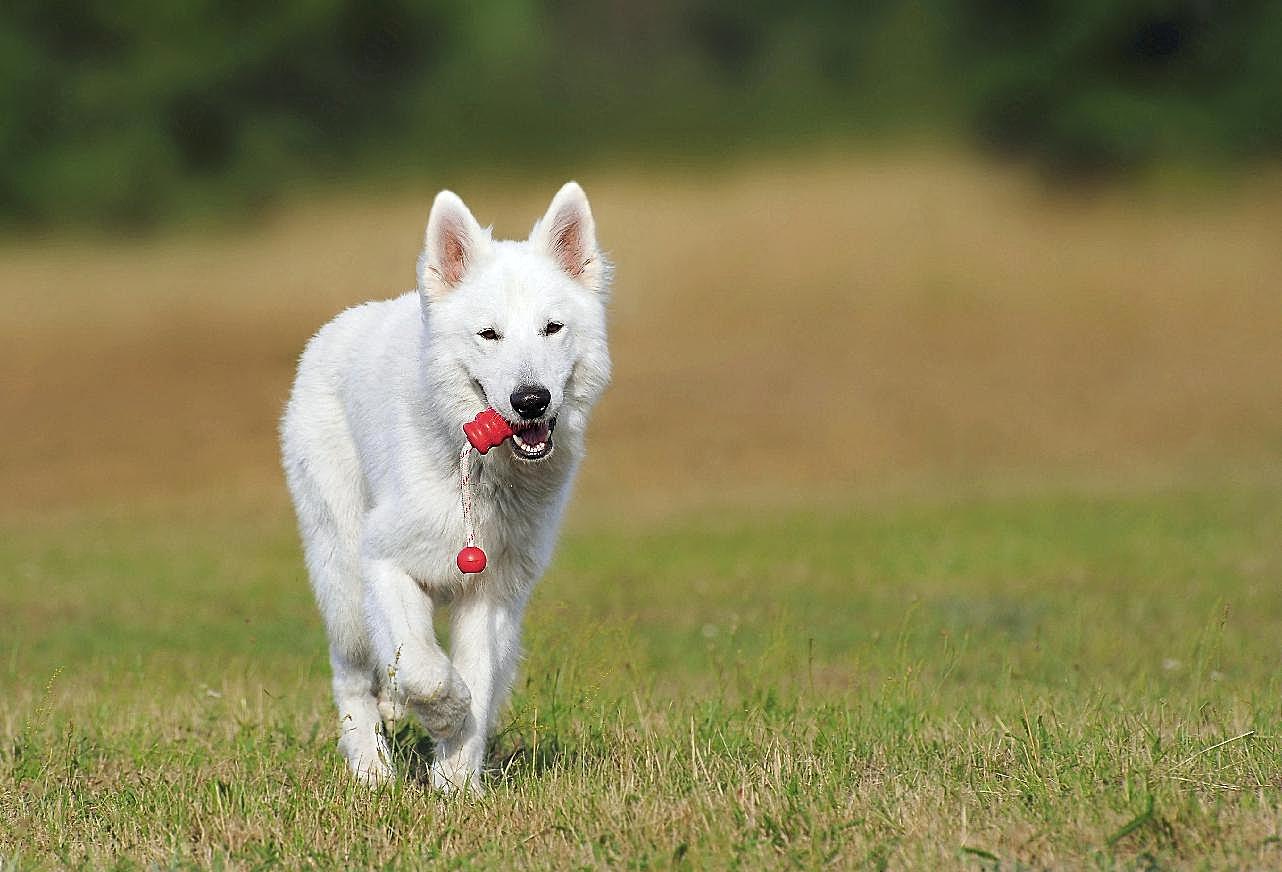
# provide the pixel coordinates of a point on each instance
(371, 439)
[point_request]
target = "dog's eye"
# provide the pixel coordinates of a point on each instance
(552, 327)
(489, 333)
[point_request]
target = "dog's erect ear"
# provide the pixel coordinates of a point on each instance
(453, 243)
(568, 234)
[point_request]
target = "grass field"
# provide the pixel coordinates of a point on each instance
(993, 584)
(1041, 681)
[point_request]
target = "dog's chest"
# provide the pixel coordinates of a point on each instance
(515, 524)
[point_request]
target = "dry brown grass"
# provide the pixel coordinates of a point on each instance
(779, 327)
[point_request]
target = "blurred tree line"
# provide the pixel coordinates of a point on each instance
(125, 113)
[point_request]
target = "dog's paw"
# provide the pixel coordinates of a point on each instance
(391, 710)
(450, 777)
(444, 709)
(368, 758)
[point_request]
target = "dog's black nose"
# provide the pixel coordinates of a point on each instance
(530, 401)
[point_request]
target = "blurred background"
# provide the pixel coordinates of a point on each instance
(860, 247)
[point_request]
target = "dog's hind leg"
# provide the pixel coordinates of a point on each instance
(329, 521)
(355, 679)
(361, 740)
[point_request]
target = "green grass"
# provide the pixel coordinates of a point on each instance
(1005, 683)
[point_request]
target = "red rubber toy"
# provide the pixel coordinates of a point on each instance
(487, 430)
(471, 560)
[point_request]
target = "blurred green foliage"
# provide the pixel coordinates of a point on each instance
(1090, 85)
(123, 113)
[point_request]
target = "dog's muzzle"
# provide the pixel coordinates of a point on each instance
(532, 440)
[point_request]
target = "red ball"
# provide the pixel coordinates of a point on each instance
(471, 559)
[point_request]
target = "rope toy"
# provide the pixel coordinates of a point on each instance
(487, 430)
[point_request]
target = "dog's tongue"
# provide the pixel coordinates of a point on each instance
(534, 434)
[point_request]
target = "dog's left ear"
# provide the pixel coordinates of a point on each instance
(567, 234)
(453, 243)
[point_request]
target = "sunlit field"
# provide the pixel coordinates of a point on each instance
(789, 329)
(932, 520)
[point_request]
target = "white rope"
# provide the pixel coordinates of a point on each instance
(465, 491)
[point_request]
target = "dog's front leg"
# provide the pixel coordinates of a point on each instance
(485, 634)
(417, 673)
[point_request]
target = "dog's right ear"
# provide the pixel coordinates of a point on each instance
(452, 245)
(567, 234)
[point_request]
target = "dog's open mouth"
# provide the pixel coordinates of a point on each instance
(533, 440)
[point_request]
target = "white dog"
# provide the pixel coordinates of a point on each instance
(371, 440)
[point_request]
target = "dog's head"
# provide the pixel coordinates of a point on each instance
(518, 326)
